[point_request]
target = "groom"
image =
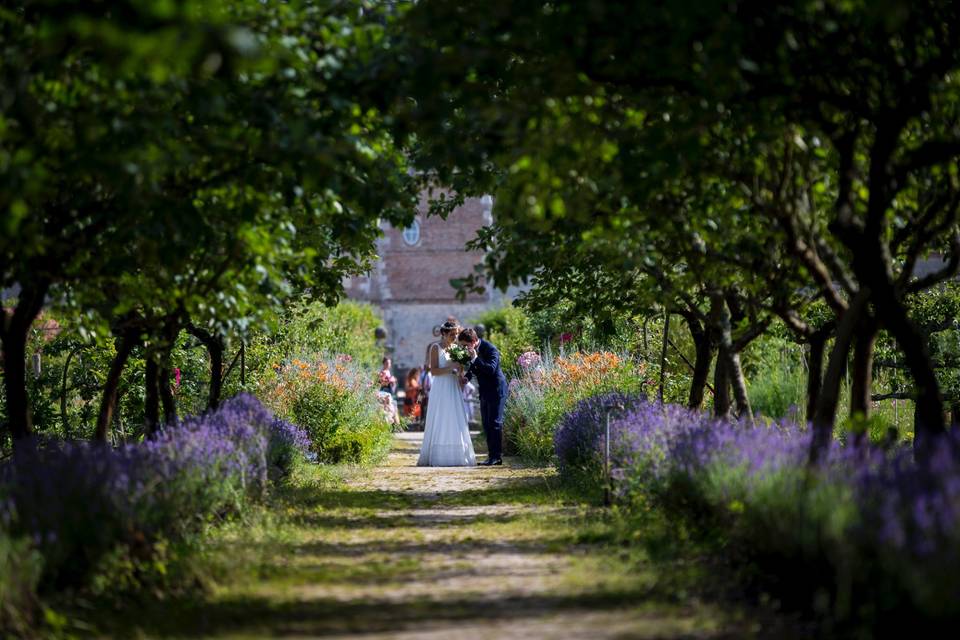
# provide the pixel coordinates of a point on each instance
(485, 365)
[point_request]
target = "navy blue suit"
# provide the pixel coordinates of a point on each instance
(493, 395)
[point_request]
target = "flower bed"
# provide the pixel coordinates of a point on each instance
(548, 388)
(867, 538)
(335, 400)
(74, 503)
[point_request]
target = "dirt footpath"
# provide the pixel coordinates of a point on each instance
(477, 553)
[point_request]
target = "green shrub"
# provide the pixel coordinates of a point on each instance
(510, 329)
(78, 361)
(335, 401)
(776, 379)
(20, 570)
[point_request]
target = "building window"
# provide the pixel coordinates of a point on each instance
(411, 235)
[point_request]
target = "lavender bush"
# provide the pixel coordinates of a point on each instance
(578, 441)
(77, 502)
(867, 537)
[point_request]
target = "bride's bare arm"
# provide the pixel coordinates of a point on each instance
(435, 367)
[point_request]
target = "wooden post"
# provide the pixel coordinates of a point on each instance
(606, 464)
(243, 363)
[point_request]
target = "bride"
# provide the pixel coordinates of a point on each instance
(446, 437)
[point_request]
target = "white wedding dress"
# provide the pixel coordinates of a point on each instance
(446, 437)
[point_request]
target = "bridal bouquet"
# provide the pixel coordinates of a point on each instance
(458, 354)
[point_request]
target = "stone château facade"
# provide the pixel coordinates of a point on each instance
(411, 280)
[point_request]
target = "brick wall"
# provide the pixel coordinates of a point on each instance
(411, 282)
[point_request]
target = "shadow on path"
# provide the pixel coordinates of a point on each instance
(411, 552)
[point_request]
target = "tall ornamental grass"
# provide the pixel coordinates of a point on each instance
(548, 388)
(334, 398)
(869, 538)
(67, 506)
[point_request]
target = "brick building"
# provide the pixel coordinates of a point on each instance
(411, 281)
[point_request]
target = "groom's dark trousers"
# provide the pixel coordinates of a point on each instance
(493, 396)
(491, 413)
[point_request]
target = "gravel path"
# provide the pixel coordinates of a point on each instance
(454, 553)
(464, 553)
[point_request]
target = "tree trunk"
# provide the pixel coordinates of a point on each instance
(14, 329)
(721, 386)
(15, 384)
(108, 400)
(215, 348)
(739, 384)
(826, 412)
(701, 368)
(164, 385)
(151, 408)
(955, 412)
(216, 375)
(732, 371)
(928, 411)
(818, 342)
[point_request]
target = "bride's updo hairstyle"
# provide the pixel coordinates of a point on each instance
(448, 327)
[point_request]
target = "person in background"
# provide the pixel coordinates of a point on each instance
(386, 379)
(411, 390)
(469, 400)
(388, 405)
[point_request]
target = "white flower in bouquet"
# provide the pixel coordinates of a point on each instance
(458, 354)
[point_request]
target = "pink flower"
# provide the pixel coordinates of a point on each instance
(528, 359)
(176, 375)
(565, 338)
(344, 357)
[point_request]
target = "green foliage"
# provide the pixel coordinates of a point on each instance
(313, 327)
(185, 173)
(307, 327)
(710, 150)
(776, 378)
(511, 330)
(20, 569)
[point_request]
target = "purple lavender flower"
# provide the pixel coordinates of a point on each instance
(78, 501)
(578, 440)
(873, 516)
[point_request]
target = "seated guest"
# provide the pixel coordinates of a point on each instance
(388, 383)
(411, 390)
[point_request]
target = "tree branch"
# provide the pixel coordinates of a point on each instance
(930, 153)
(950, 270)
